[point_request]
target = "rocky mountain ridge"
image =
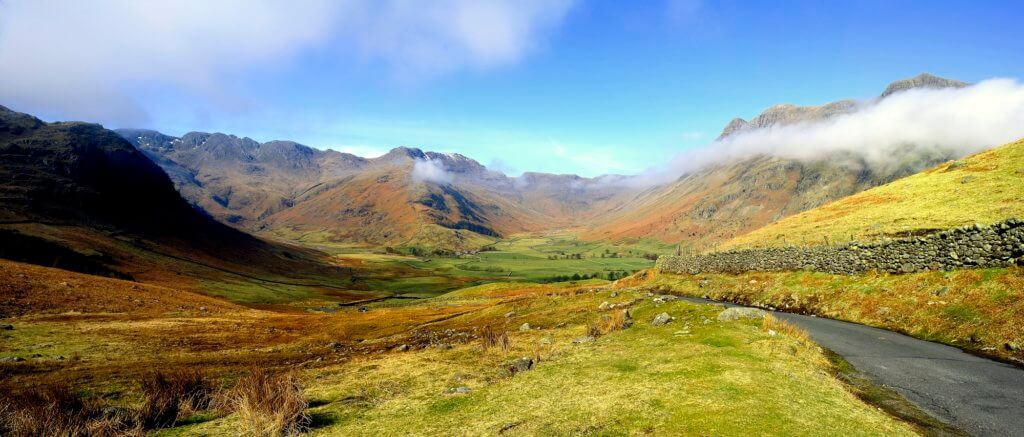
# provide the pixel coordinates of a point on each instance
(289, 190)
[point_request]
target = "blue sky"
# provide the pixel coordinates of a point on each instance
(585, 87)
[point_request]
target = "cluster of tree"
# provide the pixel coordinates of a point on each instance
(573, 277)
(563, 255)
(422, 252)
(611, 276)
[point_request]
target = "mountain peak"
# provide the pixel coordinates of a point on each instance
(923, 80)
(401, 153)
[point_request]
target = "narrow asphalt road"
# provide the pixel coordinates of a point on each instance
(980, 396)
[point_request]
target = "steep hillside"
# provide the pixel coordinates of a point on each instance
(290, 191)
(77, 196)
(982, 188)
(723, 200)
(293, 192)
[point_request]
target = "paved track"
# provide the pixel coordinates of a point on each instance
(980, 396)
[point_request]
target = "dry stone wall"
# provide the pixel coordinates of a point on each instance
(998, 245)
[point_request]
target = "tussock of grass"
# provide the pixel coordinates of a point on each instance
(168, 396)
(771, 323)
(608, 323)
(56, 410)
(489, 338)
(267, 404)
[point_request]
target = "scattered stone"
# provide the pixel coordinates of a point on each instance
(604, 306)
(772, 333)
(202, 309)
(613, 294)
(584, 339)
(736, 313)
(941, 291)
(59, 358)
(1011, 346)
(11, 359)
(525, 327)
(64, 284)
(663, 299)
(545, 340)
(519, 365)
(662, 319)
(363, 309)
(401, 348)
(510, 314)
(458, 390)
(6, 326)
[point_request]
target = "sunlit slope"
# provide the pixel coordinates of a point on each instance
(982, 188)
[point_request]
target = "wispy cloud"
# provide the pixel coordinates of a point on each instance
(427, 170)
(591, 159)
(89, 58)
(361, 150)
(951, 121)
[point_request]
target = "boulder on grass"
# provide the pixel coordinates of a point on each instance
(736, 313)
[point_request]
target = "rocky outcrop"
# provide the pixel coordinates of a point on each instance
(975, 246)
(923, 80)
(786, 114)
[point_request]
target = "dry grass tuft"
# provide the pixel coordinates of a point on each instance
(57, 410)
(268, 404)
(490, 338)
(773, 324)
(169, 395)
(607, 324)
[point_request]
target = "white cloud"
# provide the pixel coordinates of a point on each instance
(954, 121)
(444, 35)
(593, 160)
(430, 171)
(89, 58)
(361, 150)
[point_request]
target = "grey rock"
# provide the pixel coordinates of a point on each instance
(510, 314)
(662, 319)
(584, 339)
(401, 348)
(11, 359)
(519, 365)
(6, 327)
(525, 327)
(458, 390)
(941, 291)
(736, 313)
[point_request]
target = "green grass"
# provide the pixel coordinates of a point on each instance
(984, 188)
(526, 258)
(724, 378)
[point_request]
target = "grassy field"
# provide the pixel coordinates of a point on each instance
(532, 258)
(984, 188)
(425, 367)
(978, 310)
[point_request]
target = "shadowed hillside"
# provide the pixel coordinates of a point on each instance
(77, 196)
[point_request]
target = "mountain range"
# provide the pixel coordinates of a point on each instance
(77, 196)
(286, 190)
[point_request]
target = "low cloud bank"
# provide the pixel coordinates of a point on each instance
(426, 170)
(955, 122)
